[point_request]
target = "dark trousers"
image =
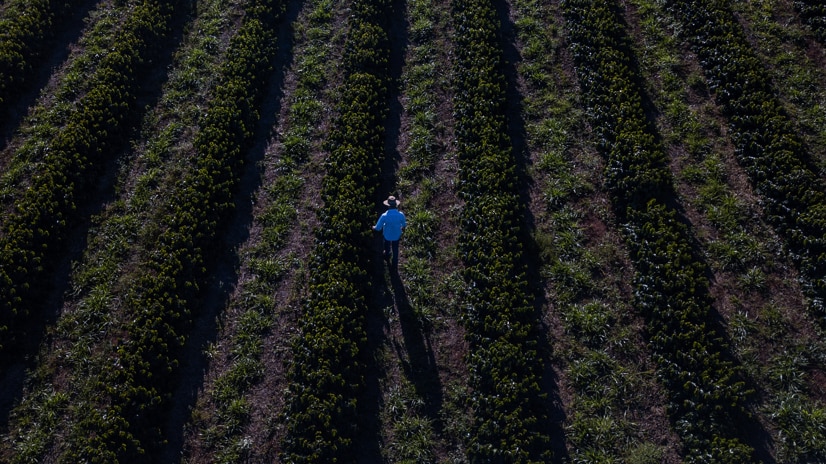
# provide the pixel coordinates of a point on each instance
(394, 245)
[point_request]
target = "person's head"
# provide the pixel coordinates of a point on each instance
(391, 202)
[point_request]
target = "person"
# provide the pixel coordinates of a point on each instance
(391, 224)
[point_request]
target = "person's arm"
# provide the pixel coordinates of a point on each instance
(379, 223)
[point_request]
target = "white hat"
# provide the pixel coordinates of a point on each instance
(391, 202)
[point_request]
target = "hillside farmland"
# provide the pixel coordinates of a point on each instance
(615, 247)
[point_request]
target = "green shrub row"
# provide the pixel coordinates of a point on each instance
(35, 231)
(98, 282)
(510, 422)
(813, 14)
(136, 393)
(585, 274)
(25, 26)
(27, 149)
(706, 396)
(328, 368)
(228, 409)
(766, 143)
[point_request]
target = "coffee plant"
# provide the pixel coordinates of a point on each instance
(510, 416)
(766, 143)
(328, 368)
(705, 386)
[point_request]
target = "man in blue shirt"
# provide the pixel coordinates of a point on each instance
(392, 224)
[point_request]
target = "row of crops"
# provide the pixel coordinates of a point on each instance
(329, 363)
(50, 408)
(425, 409)
(166, 288)
(127, 395)
(510, 416)
(766, 142)
(228, 406)
(755, 271)
(707, 393)
(583, 266)
(106, 390)
(25, 28)
(34, 232)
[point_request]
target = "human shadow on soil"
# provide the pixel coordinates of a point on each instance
(416, 353)
(413, 352)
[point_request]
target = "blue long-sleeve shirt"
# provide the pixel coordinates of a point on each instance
(391, 224)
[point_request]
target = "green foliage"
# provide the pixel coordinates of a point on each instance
(813, 14)
(99, 281)
(706, 393)
(327, 372)
(510, 417)
(704, 386)
(36, 229)
(25, 28)
(167, 285)
(803, 429)
(766, 143)
(413, 432)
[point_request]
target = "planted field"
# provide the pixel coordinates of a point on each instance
(615, 251)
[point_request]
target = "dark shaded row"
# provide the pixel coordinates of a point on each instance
(510, 417)
(766, 143)
(329, 364)
(707, 397)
